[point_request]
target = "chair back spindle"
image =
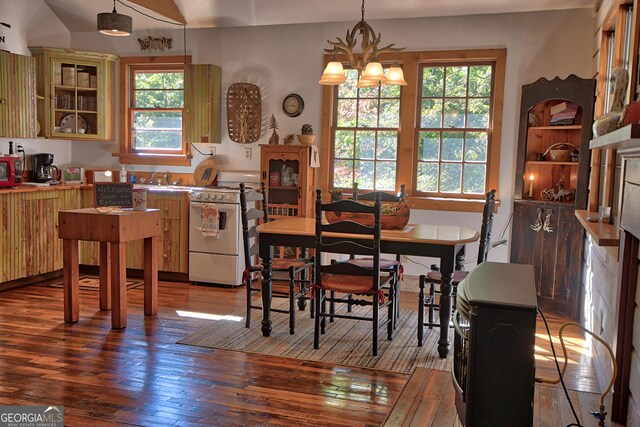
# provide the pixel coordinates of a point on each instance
(487, 223)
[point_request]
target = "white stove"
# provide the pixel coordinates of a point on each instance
(215, 230)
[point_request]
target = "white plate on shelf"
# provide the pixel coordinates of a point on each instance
(68, 124)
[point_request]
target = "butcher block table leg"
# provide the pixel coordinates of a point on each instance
(119, 285)
(105, 276)
(70, 278)
(151, 276)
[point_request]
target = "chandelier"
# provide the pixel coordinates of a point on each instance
(370, 71)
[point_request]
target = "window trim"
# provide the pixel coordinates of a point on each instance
(407, 145)
(126, 153)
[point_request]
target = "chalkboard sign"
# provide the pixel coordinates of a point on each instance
(112, 194)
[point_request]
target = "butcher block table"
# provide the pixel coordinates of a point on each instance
(113, 231)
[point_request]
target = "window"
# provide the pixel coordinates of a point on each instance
(366, 135)
(453, 129)
(156, 109)
(439, 135)
(152, 122)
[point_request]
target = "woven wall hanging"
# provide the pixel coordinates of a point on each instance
(244, 112)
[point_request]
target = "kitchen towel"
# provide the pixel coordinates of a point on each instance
(209, 219)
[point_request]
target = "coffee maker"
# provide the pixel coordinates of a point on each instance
(43, 168)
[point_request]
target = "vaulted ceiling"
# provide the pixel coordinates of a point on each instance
(80, 15)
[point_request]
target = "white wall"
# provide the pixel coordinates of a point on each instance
(288, 58)
(34, 24)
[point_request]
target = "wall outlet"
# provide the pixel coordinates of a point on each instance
(212, 149)
(247, 153)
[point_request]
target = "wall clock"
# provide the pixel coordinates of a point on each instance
(293, 105)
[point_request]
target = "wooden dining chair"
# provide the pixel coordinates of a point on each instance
(298, 270)
(391, 266)
(434, 278)
(363, 286)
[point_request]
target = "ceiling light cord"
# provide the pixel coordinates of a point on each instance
(184, 26)
(145, 14)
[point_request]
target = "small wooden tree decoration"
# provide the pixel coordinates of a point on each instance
(273, 124)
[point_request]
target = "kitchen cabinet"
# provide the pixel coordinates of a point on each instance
(172, 242)
(202, 96)
(289, 179)
(29, 241)
(552, 172)
(17, 96)
(173, 247)
(79, 93)
(555, 251)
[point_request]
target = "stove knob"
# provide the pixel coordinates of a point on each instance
(229, 197)
(197, 195)
(206, 196)
(220, 196)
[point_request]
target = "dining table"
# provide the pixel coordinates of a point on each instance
(445, 242)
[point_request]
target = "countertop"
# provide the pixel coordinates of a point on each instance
(63, 187)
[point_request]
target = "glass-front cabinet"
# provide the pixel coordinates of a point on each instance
(289, 179)
(79, 93)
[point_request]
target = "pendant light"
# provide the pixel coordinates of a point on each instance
(114, 23)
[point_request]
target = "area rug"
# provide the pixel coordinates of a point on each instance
(92, 283)
(346, 342)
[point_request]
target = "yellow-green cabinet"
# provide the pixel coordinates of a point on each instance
(202, 94)
(172, 241)
(17, 96)
(29, 243)
(79, 93)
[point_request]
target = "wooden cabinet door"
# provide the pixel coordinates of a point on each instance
(560, 286)
(172, 241)
(202, 95)
(17, 96)
(555, 251)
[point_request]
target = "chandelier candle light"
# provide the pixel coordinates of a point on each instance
(366, 62)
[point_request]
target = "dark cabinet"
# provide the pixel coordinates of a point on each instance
(550, 238)
(552, 173)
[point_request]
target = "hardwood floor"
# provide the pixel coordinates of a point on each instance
(140, 376)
